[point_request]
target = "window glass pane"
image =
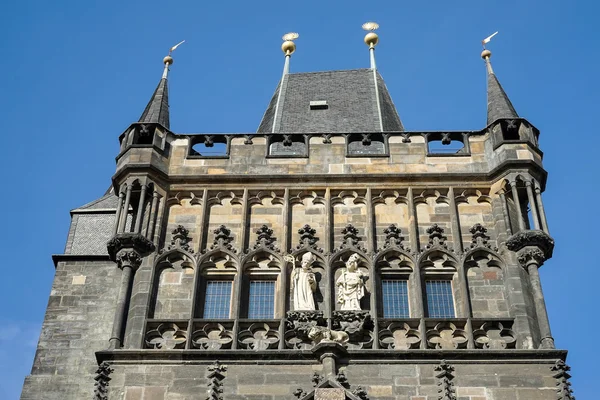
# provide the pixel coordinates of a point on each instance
(395, 298)
(440, 303)
(217, 299)
(261, 300)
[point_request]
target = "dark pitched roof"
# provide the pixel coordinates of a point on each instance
(108, 201)
(157, 110)
(499, 105)
(351, 98)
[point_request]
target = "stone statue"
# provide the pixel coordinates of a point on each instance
(304, 284)
(320, 334)
(350, 285)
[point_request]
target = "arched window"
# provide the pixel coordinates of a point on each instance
(440, 285)
(261, 287)
(215, 292)
(394, 285)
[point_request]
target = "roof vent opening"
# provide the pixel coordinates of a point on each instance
(319, 105)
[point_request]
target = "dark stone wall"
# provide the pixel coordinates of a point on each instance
(78, 323)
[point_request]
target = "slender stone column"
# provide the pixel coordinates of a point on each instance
(125, 211)
(509, 230)
(413, 228)
(328, 223)
(140, 210)
(282, 299)
(287, 222)
(532, 259)
(157, 226)
(538, 195)
(532, 206)
(118, 214)
(454, 217)
(151, 220)
(515, 195)
(532, 249)
(127, 250)
(203, 239)
(370, 236)
(239, 279)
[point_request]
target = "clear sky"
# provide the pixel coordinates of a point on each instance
(75, 74)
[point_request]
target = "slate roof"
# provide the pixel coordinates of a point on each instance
(157, 110)
(108, 201)
(499, 105)
(351, 99)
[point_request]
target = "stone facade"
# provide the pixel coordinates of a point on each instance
(130, 322)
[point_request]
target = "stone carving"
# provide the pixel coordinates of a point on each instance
(342, 379)
(102, 379)
(212, 336)
(180, 240)
(316, 379)
(350, 285)
(351, 239)
(393, 237)
(357, 324)
(166, 336)
(215, 375)
(308, 238)
(248, 139)
(446, 336)
(326, 138)
(321, 334)
(121, 245)
(531, 238)
(479, 237)
(531, 255)
(303, 284)
(436, 237)
(222, 239)
(445, 375)
(361, 393)
(265, 238)
(493, 335)
(259, 336)
(298, 324)
(562, 376)
(399, 336)
(299, 393)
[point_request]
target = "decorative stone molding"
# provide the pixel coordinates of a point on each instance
(351, 239)
(308, 238)
(102, 379)
(400, 336)
(436, 237)
(393, 237)
(494, 336)
(222, 239)
(446, 336)
(562, 376)
(298, 325)
(215, 375)
(316, 379)
(479, 237)
(445, 375)
(128, 249)
(180, 241)
(259, 336)
(166, 336)
(265, 239)
(213, 336)
(531, 246)
(358, 325)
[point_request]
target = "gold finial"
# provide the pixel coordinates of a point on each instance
(486, 54)
(288, 46)
(168, 60)
(371, 38)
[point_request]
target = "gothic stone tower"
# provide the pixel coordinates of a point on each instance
(330, 255)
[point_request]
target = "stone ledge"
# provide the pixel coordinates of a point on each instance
(355, 356)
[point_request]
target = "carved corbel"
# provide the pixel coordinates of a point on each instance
(128, 249)
(531, 247)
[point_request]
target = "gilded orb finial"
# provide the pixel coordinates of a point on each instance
(371, 38)
(486, 54)
(288, 46)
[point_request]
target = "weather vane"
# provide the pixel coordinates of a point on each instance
(487, 39)
(370, 26)
(176, 46)
(290, 36)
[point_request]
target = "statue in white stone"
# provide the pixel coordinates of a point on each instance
(304, 284)
(350, 285)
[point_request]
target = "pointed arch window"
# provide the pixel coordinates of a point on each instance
(394, 294)
(217, 299)
(440, 300)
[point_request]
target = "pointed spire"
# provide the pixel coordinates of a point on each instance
(157, 110)
(499, 105)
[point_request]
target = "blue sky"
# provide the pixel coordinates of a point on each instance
(75, 74)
